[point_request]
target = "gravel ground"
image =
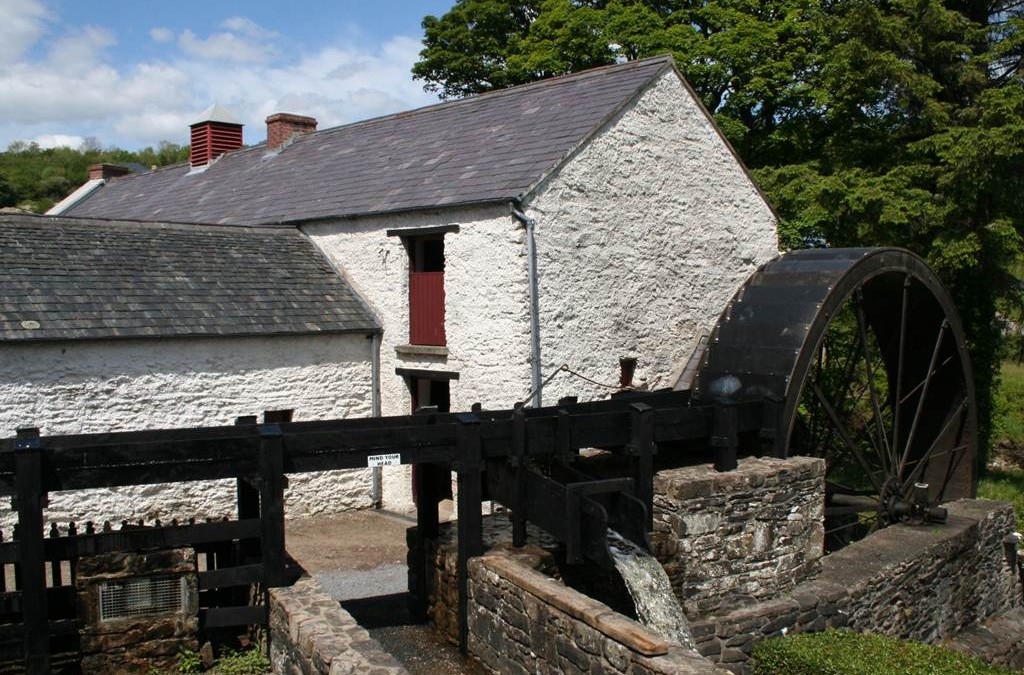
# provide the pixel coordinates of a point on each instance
(359, 558)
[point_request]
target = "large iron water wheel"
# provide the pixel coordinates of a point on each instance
(865, 354)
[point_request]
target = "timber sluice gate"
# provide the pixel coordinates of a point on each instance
(854, 355)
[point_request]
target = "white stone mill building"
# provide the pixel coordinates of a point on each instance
(489, 241)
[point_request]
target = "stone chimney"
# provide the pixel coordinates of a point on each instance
(107, 171)
(281, 127)
(215, 132)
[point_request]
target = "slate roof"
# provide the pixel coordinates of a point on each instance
(70, 278)
(488, 148)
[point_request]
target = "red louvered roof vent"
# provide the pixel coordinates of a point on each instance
(215, 132)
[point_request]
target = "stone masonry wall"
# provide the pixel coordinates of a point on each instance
(135, 644)
(310, 634)
(732, 538)
(923, 583)
(522, 621)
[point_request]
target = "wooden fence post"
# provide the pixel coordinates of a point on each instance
(641, 460)
(248, 500)
(468, 466)
(725, 438)
(518, 461)
(271, 463)
(30, 500)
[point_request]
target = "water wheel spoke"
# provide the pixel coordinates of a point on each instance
(921, 462)
(838, 489)
(930, 374)
(844, 435)
(832, 511)
(856, 522)
(882, 448)
(900, 353)
(920, 401)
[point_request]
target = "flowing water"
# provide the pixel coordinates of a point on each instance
(656, 604)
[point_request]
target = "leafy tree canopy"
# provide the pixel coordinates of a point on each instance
(866, 122)
(35, 179)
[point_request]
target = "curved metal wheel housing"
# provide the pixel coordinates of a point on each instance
(865, 351)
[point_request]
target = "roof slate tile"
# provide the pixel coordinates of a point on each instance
(414, 160)
(131, 279)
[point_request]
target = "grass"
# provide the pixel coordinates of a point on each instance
(1005, 486)
(846, 653)
(1009, 404)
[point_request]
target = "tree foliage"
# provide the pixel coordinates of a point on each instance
(34, 178)
(866, 122)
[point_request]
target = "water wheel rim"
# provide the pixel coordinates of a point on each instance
(767, 339)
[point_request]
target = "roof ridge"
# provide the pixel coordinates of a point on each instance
(89, 221)
(495, 93)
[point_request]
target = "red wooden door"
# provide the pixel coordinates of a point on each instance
(426, 308)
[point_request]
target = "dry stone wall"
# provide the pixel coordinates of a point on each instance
(310, 634)
(135, 644)
(754, 536)
(522, 621)
(924, 583)
(732, 538)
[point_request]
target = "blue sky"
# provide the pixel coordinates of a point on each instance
(136, 73)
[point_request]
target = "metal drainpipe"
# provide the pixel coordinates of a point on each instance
(531, 271)
(375, 486)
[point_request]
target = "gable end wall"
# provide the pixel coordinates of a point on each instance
(642, 238)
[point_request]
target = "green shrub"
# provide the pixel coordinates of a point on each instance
(189, 661)
(247, 662)
(847, 653)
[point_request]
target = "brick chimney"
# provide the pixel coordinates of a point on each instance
(281, 127)
(107, 171)
(215, 132)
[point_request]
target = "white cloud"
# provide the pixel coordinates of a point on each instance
(161, 35)
(239, 24)
(222, 46)
(22, 22)
(58, 141)
(133, 105)
(244, 41)
(80, 50)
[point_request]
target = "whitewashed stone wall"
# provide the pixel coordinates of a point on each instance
(642, 238)
(122, 385)
(486, 308)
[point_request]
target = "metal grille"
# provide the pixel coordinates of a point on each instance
(142, 597)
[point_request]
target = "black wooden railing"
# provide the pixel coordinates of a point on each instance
(251, 548)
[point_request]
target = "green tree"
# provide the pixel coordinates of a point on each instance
(866, 122)
(36, 178)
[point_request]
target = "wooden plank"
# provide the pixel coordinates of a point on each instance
(220, 617)
(168, 536)
(241, 575)
(14, 631)
(11, 602)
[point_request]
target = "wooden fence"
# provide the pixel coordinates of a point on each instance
(250, 549)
